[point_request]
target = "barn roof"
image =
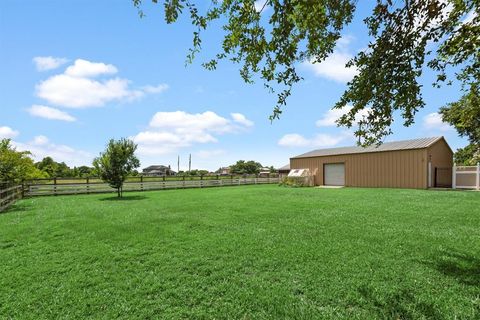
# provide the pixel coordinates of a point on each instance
(420, 143)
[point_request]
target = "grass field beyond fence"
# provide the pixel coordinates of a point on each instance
(249, 252)
(46, 187)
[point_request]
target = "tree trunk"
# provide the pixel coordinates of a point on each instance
(118, 193)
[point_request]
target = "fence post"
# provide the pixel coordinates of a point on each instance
(478, 175)
(454, 176)
(88, 184)
(55, 186)
(141, 183)
(23, 188)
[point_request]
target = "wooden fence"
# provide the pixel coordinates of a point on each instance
(9, 193)
(89, 185)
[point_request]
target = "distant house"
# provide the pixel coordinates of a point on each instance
(264, 172)
(223, 171)
(158, 170)
(283, 171)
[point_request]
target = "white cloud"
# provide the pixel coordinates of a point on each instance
(344, 42)
(49, 113)
(433, 121)
(41, 147)
(241, 119)
(333, 67)
(293, 140)
(170, 131)
(86, 69)
(7, 133)
(182, 120)
(329, 117)
(74, 92)
(155, 89)
(76, 88)
(318, 141)
(40, 140)
(48, 63)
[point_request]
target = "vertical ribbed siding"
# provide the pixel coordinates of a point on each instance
(398, 169)
(441, 157)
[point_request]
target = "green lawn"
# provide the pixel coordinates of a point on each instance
(254, 252)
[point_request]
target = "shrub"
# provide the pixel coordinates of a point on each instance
(296, 182)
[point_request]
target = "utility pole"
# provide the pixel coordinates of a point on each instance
(178, 164)
(189, 162)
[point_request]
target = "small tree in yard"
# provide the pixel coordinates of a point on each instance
(117, 162)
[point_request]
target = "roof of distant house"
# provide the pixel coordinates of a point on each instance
(156, 167)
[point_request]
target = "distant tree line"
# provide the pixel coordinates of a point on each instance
(194, 172)
(114, 165)
(16, 166)
(248, 167)
(60, 169)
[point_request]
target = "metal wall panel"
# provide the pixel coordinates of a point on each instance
(441, 156)
(395, 169)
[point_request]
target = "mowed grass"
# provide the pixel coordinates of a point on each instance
(253, 252)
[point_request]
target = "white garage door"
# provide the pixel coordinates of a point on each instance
(334, 174)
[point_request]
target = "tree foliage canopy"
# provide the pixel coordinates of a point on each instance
(405, 37)
(117, 162)
(245, 167)
(16, 166)
(53, 168)
(468, 156)
(464, 115)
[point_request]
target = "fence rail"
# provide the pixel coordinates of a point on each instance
(466, 177)
(72, 187)
(9, 193)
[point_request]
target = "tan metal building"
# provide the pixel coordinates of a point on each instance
(417, 163)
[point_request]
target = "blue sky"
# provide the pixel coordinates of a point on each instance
(74, 74)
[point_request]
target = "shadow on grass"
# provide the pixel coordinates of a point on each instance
(464, 267)
(401, 304)
(18, 207)
(124, 198)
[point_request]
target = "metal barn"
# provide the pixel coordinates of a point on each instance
(418, 163)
